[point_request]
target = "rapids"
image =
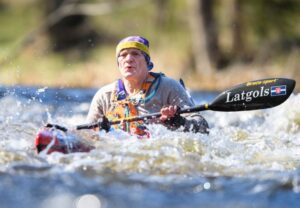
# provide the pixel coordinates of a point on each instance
(249, 159)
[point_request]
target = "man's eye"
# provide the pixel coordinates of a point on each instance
(135, 53)
(123, 55)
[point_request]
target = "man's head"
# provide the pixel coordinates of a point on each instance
(136, 42)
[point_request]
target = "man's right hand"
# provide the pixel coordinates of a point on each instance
(104, 123)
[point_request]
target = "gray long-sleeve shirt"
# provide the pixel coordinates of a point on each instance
(169, 92)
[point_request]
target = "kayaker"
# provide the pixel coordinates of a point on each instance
(140, 91)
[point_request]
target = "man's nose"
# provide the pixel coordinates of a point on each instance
(129, 57)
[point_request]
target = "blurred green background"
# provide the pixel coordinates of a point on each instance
(211, 44)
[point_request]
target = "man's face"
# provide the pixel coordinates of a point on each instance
(132, 64)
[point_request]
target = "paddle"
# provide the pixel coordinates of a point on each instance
(253, 95)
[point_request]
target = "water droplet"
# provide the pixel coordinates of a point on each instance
(88, 200)
(206, 186)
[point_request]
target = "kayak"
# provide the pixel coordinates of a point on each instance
(51, 140)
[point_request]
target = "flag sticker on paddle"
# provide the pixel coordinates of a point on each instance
(278, 90)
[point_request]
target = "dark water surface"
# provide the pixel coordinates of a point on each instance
(249, 159)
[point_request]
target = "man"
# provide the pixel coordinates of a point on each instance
(141, 92)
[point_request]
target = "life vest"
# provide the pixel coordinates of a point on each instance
(124, 105)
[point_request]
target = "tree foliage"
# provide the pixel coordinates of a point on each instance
(220, 32)
(258, 28)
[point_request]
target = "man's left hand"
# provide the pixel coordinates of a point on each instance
(168, 112)
(171, 118)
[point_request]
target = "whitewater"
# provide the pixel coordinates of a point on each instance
(249, 159)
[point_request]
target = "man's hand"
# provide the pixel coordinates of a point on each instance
(171, 118)
(104, 123)
(168, 112)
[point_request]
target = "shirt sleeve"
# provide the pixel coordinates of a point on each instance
(100, 103)
(95, 110)
(196, 123)
(173, 93)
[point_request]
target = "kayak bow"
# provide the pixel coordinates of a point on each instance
(54, 140)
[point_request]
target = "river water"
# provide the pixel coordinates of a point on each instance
(249, 159)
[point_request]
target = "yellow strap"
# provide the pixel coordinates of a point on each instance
(137, 45)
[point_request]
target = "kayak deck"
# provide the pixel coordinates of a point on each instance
(54, 140)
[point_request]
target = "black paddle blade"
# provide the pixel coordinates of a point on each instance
(259, 94)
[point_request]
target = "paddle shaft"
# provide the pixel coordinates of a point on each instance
(144, 117)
